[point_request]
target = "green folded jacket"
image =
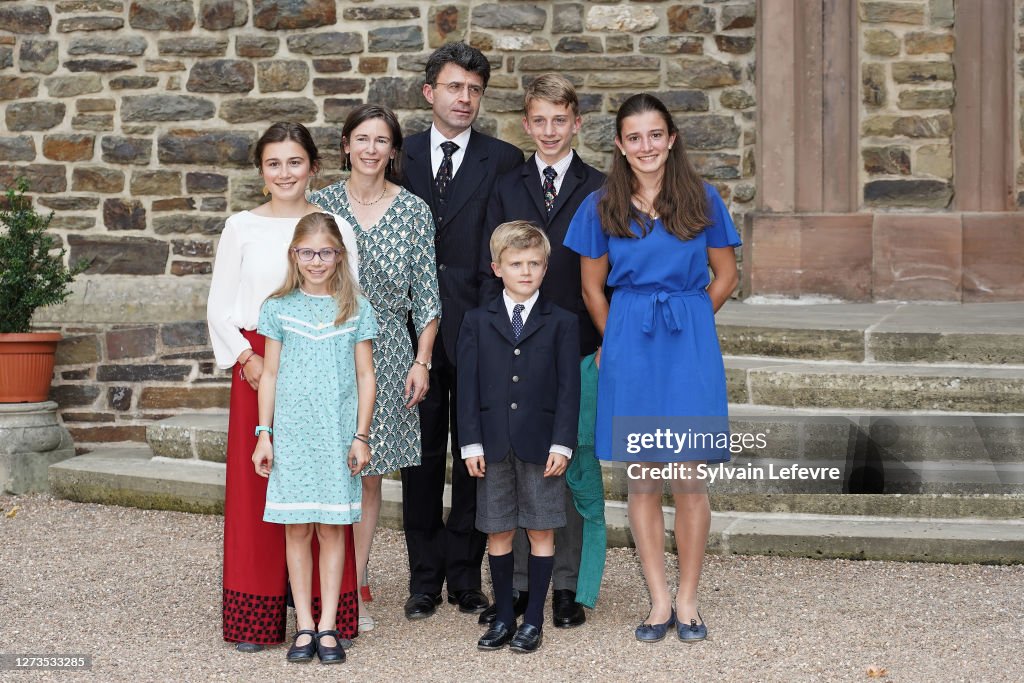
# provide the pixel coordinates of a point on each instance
(587, 486)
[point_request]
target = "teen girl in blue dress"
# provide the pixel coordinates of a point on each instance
(651, 233)
(316, 400)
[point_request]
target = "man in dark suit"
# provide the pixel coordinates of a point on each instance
(519, 404)
(453, 168)
(551, 118)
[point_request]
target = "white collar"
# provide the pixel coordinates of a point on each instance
(560, 166)
(510, 305)
(436, 138)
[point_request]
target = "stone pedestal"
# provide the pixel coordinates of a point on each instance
(31, 439)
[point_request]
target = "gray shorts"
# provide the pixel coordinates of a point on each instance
(515, 494)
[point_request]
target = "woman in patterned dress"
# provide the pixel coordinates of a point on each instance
(397, 272)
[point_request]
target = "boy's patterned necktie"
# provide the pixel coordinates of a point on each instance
(517, 320)
(549, 188)
(444, 171)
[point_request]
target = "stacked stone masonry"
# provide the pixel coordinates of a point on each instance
(112, 380)
(1019, 101)
(134, 121)
(907, 97)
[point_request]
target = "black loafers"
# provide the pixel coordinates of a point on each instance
(527, 639)
(470, 601)
(520, 598)
(302, 653)
(565, 611)
(497, 636)
(421, 605)
(330, 654)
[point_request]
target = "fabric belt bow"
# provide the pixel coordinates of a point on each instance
(670, 305)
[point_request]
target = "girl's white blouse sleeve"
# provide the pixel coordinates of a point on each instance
(225, 335)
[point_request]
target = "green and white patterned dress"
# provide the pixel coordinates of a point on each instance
(398, 274)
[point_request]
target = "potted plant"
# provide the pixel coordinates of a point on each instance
(32, 275)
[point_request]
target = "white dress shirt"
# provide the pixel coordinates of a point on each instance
(436, 155)
(560, 166)
(475, 450)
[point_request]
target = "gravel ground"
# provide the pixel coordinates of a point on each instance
(140, 592)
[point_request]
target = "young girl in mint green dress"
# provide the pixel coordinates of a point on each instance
(316, 401)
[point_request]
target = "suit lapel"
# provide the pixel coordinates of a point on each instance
(472, 172)
(538, 316)
(532, 186)
(417, 171)
(501, 321)
(573, 178)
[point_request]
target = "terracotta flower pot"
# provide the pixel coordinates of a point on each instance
(26, 366)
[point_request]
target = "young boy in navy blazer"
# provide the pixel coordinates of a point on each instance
(518, 403)
(546, 191)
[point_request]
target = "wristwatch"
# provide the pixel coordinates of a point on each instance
(428, 365)
(262, 428)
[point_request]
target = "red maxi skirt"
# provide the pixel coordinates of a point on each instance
(255, 570)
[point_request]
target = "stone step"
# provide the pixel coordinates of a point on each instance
(816, 536)
(887, 436)
(792, 433)
(199, 436)
(875, 452)
(874, 386)
(883, 332)
(133, 477)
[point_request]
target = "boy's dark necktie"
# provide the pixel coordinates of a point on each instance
(549, 188)
(517, 320)
(444, 171)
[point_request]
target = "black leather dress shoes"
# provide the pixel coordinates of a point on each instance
(520, 598)
(527, 639)
(302, 653)
(329, 654)
(470, 601)
(421, 605)
(497, 636)
(565, 611)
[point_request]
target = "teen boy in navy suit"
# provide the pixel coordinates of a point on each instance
(519, 400)
(453, 168)
(551, 118)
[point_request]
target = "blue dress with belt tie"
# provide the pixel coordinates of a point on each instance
(660, 355)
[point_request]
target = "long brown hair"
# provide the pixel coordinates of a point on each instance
(343, 285)
(681, 201)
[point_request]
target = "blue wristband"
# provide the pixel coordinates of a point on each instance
(262, 428)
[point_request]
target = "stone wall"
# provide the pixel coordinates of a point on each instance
(113, 379)
(907, 98)
(134, 120)
(1018, 102)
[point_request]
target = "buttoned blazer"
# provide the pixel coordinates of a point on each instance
(519, 195)
(521, 395)
(459, 222)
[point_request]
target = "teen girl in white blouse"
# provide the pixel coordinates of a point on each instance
(252, 260)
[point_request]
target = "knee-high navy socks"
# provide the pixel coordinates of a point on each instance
(502, 568)
(540, 569)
